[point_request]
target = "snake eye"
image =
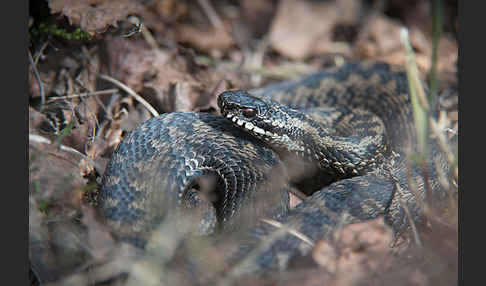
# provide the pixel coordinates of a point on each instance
(248, 112)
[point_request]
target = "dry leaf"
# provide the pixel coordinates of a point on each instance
(94, 15)
(296, 38)
(205, 40)
(303, 28)
(380, 36)
(357, 251)
(162, 80)
(99, 237)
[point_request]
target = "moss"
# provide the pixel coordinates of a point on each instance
(44, 30)
(43, 206)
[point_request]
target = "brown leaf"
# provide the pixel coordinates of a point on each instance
(295, 39)
(380, 37)
(161, 79)
(54, 173)
(359, 249)
(99, 237)
(94, 15)
(55, 193)
(380, 40)
(448, 54)
(205, 40)
(35, 120)
(302, 28)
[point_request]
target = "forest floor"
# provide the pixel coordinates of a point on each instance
(132, 60)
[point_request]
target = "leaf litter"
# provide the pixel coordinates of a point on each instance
(195, 60)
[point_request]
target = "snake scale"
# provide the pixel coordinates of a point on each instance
(346, 128)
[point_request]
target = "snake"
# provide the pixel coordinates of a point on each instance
(339, 136)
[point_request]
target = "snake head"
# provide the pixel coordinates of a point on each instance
(248, 112)
(263, 118)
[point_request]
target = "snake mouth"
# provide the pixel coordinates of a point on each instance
(250, 127)
(261, 119)
(280, 142)
(246, 111)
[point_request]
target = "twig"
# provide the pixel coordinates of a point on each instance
(39, 54)
(40, 139)
(443, 180)
(245, 264)
(140, 28)
(147, 35)
(41, 88)
(412, 223)
(430, 213)
(242, 266)
(100, 103)
(86, 94)
(255, 60)
(282, 71)
(130, 92)
(211, 13)
(298, 194)
(413, 188)
(294, 232)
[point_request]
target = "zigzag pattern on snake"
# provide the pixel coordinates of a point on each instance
(348, 127)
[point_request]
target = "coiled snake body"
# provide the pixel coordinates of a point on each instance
(348, 126)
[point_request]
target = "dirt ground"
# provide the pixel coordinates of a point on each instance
(132, 60)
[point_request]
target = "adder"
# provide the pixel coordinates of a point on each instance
(347, 129)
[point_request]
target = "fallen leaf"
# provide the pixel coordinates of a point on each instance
(205, 39)
(303, 28)
(355, 251)
(99, 237)
(94, 15)
(164, 81)
(295, 38)
(380, 37)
